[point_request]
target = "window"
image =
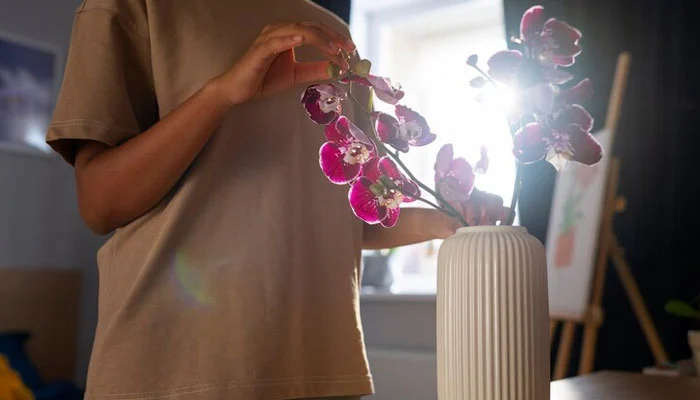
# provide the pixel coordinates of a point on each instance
(423, 45)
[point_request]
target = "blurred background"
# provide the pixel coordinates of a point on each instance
(423, 44)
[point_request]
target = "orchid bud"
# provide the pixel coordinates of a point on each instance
(333, 71)
(362, 68)
(478, 82)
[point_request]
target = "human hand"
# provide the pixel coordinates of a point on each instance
(269, 65)
(443, 225)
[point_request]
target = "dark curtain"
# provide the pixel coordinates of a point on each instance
(339, 7)
(656, 141)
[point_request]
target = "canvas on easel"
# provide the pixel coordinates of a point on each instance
(581, 243)
(572, 240)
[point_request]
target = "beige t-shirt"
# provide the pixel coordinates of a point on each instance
(243, 282)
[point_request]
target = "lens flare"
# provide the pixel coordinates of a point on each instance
(191, 281)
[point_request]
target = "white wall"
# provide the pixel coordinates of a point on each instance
(39, 221)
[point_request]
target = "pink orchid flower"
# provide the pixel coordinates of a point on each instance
(408, 129)
(513, 69)
(551, 42)
(454, 178)
(546, 46)
(347, 149)
(484, 208)
(323, 102)
(385, 90)
(566, 137)
(376, 196)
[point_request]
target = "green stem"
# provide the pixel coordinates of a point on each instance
(395, 156)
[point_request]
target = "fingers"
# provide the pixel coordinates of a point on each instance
(341, 40)
(311, 72)
(330, 43)
(270, 48)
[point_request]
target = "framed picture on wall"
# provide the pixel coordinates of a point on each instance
(29, 78)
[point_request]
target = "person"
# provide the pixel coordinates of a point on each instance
(232, 268)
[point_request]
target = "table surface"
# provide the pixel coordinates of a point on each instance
(622, 386)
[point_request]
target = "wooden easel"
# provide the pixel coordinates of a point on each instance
(608, 250)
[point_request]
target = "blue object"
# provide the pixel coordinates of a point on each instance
(12, 346)
(58, 391)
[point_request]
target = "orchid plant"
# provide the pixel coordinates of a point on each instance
(548, 123)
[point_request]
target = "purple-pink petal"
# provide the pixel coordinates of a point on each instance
(388, 131)
(370, 170)
(331, 160)
(443, 161)
(388, 168)
(317, 115)
(312, 98)
(464, 172)
(503, 65)
(391, 217)
(529, 145)
(574, 114)
(363, 202)
(565, 36)
(581, 92)
(385, 90)
(407, 115)
(563, 61)
(585, 147)
(333, 134)
(350, 131)
(410, 190)
(532, 21)
(423, 140)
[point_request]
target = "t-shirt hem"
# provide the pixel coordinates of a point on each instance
(321, 387)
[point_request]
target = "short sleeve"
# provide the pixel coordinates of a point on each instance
(107, 94)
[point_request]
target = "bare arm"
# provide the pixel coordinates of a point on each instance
(415, 225)
(118, 184)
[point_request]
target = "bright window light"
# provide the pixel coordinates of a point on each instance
(424, 46)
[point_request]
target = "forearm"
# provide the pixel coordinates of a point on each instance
(415, 225)
(117, 185)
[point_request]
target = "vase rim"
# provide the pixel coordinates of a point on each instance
(492, 228)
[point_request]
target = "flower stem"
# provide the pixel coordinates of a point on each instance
(437, 207)
(485, 75)
(517, 187)
(449, 210)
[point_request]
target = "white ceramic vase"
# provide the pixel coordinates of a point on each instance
(492, 316)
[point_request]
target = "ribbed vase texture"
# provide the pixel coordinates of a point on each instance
(492, 316)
